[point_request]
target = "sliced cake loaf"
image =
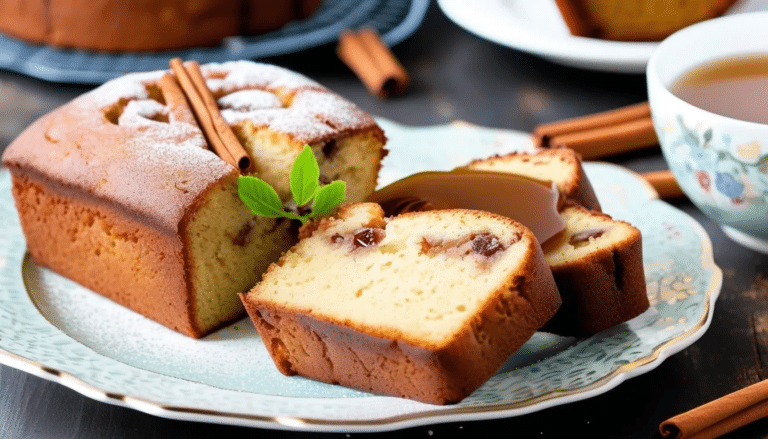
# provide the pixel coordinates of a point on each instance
(425, 305)
(597, 261)
(561, 165)
(598, 266)
(118, 190)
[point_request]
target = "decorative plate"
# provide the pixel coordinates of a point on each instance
(538, 28)
(58, 330)
(395, 20)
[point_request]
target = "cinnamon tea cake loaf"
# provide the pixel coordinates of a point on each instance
(560, 165)
(118, 191)
(425, 305)
(598, 266)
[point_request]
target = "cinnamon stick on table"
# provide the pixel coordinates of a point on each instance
(665, 184)
(372, 61)
(720, 416)
(602, 134)
(218, 133)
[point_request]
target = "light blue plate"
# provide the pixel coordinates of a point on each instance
(55, 329)
(395, 20)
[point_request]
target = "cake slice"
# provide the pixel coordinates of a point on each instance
(560, 165)
(636, 20)
(598, 266)
(425, 305)
(597, 262)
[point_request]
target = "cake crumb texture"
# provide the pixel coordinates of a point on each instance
(426, 305)
(598, 266)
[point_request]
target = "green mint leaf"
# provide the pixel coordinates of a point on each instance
(305, 175)
(328, 198)
(260, 197)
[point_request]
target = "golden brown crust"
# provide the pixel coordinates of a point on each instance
(384, 361)
(97, 144)
(104, 249)
(603, 289)
(81, 149)
(140, 25)
(583, 193)
(574, 186)
(645, 20)
(260, 16)
(24, 19)
(118, 156)
(145, 25)
(575, 18)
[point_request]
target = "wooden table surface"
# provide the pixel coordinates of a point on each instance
(455, 75)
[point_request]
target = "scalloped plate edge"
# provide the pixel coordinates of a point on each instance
(439, 414)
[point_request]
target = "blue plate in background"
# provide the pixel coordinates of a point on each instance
(395, 20)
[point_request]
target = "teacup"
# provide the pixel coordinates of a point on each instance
(721, 163)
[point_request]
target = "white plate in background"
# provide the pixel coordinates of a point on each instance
(536, 27)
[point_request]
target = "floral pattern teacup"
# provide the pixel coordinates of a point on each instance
(720, 163)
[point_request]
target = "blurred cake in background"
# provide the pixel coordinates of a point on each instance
(638, 20)
(145, 25)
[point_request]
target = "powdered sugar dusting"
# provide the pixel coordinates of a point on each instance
(332, 109)
(249, 100)
(303, 125)
(125, 87)
(261, 118)
(141, 112)
(245, 74)
(315, 113)
(119, 144)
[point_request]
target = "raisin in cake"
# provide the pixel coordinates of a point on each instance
(598, 266)
(597, 261)
(561, 165)
(425, 305)
(118, 191)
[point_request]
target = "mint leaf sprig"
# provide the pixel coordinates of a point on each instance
(305, 186)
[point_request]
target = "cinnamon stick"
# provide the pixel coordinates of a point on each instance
(543, 133)
(176, 101)
(216, 130)
(665, 184)
(366, 54)
(609, 140)
(720, 416)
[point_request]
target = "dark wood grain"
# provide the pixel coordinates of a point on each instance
(455, 75)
